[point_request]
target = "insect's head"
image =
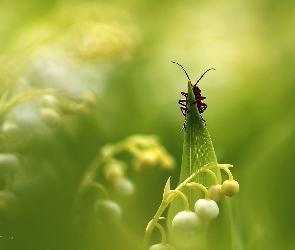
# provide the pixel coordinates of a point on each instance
(187, 73)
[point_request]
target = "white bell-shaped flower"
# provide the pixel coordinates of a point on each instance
(49, 116)
(124, 187)
(11, 130)
(9, 163)
(230, 187)
(161, 247)
(107, 211)
(215, 193)
(186, 222)
(206, 209)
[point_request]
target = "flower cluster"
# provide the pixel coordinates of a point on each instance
(51, 105)
(187, 221)
(146, 153)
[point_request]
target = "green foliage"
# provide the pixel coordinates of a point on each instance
(121, 52)
(198, 152)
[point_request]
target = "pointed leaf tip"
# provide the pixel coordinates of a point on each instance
(166, 189)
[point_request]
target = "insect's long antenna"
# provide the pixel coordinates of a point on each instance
(183, 70)
(203, 75)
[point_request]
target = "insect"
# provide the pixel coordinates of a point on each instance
(198, 97)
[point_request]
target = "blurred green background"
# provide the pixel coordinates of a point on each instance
(121, 51)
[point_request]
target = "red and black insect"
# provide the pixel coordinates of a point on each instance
(197, 93)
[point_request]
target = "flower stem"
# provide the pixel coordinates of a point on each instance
(22, 97)
(185, 200)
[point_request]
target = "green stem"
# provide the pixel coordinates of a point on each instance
(225, 168)
(200, 186)
(163, 234)
(101, 188)
(22, 97)
(185, 200)
(213, 175)
(153, 223)
(167, 201)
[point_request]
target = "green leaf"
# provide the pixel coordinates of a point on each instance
(197, 152)
(197, 147)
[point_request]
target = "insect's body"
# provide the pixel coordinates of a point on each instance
(198, 97)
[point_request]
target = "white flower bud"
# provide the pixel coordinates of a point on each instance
(114, 170)
(215, 193)
(107, 211)
(230, 188)
(124, 187)
(206, 209)
(49, 116)
(186, 222)
(161, 247)
(49, 101)
(8, 163)
(11, 130)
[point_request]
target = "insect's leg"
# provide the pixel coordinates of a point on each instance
(203, 120)
(183, 107)
(183, 110)
(200, 98)
(183, 127)
(182, 102)
(201, 107)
